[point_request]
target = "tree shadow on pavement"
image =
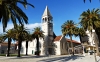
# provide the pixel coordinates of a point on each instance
(26, 57)
(62, 59)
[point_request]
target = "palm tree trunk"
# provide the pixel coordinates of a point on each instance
(68, 47)
(97, 43)
(80, 39)
(19, 45)
(37, 45)
(9, 43)
(97, 48)
(26, 47)
(72, 45)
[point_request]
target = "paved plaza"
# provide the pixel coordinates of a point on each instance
(61, 58)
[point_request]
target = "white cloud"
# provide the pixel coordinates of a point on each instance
(31, 26)
(28, 26)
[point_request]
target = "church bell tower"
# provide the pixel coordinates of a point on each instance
(47, 28)
(47, 23)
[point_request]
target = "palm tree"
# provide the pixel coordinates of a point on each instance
(1, 38)
(9, 10)
(69, 29)
(28, 37)
(90, 20)
(8, 35)
(81, 33)
(37, 34)
(26, 47)
(20, 33)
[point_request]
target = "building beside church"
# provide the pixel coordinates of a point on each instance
(88, 41)
(51, 44)
(63, 46)
(4, 48)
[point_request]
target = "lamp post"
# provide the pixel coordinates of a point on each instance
(93, 31)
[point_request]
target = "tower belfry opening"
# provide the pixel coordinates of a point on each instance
(47, 17)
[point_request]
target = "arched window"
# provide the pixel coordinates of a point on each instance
(45, 19)
(49, 20)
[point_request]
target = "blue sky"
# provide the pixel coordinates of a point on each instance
(61, 10)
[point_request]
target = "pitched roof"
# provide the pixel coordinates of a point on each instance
(73, 41)
(6, 43)
(57, 38)
(46, 12)
(68, 40)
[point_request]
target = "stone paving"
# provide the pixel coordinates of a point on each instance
(61, 58)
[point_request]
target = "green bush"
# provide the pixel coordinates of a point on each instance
(37, 52)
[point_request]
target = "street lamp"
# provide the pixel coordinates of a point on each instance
(93, 31)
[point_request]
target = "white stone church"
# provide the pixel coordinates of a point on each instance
(51, 44)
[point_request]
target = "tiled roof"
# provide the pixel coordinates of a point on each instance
(73, 41)
(5, 44)
(57, 38)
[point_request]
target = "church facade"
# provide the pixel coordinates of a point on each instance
(46, 43)
(50, 44)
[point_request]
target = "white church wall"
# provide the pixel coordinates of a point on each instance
(31, 51)
(32, 46)
(23, 48)
(57, 48)
(41, 46)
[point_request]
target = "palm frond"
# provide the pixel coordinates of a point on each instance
(68, 28)
(85, 1)
(89, 18)
(25, 3)
(10, 10)
(38, 32)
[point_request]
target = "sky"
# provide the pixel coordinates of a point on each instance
(61, 11)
